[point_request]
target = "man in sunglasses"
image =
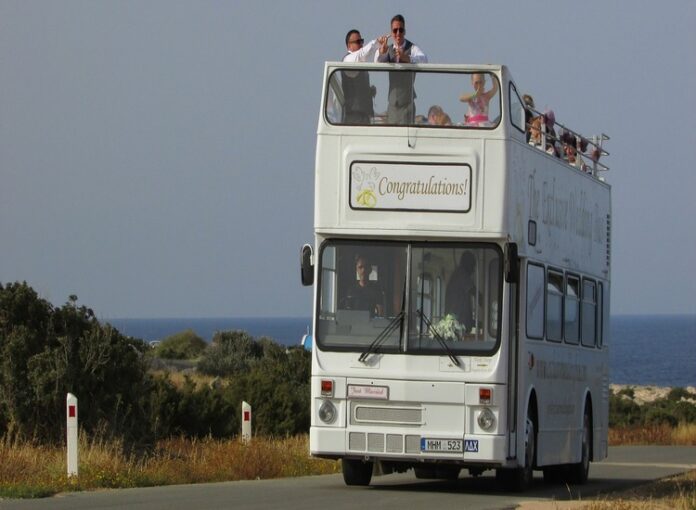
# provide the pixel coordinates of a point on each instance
(401, 108)
(357, 91)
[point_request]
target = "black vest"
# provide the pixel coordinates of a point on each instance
(356, 93)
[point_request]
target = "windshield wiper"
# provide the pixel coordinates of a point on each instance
(383, 335)
(439, 338)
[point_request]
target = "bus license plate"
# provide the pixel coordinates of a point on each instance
(441, 445)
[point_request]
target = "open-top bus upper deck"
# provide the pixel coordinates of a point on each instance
(477, 178)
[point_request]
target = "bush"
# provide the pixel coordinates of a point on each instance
(231, 353)
(184, 345)
(657, 416)
(279, 393)
(678, 394)
(623, 412)
(46, 352)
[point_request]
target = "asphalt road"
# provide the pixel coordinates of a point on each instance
(625, 467)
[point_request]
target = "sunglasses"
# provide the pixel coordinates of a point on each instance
(357, 41)
(399, 30)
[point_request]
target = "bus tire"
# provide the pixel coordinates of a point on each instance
(554, 474)
(520, 479)
(356, 472)
(578, 473)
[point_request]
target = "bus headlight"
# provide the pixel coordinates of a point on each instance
(327, 412)
(486, 419)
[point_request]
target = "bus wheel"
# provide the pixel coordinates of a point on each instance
(519, 479)
(578, 472)
(554, 474)
(356, 472)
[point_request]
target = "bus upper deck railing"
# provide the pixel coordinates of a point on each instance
(450, 97)
(566, 143)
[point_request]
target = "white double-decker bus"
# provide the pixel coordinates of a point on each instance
(461, 276)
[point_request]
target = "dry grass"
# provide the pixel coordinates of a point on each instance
(29, 470)
(683, 435)
(32, 471)
(673, 493)
(178, 378)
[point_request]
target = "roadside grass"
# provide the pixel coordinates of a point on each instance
(28, 470)
(683, 434)
(32, 470)
(673, 493)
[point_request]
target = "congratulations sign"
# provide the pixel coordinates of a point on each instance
(410, 187)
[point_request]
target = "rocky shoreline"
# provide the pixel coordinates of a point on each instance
(646, 394)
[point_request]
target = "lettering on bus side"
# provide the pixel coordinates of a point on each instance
(569, 210)
(560, 370)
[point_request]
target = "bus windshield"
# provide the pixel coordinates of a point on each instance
(402, 96)
(434, 298)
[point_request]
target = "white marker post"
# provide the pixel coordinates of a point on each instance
(71, 411)
(246, 422)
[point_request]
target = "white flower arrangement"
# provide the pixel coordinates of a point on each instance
(449, 328)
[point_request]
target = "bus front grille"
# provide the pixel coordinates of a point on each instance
(393, 415)
(378, 443)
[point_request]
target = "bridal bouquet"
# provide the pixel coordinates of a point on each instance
(449, 328)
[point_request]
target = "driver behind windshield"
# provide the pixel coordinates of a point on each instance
(365, 294)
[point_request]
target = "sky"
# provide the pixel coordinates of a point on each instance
(157, 156)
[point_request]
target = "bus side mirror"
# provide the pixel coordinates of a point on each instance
(306, 266)
(512, 263)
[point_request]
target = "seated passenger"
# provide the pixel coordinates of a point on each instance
(444, 120)
(437, 117)
(478, 100)
(434, 114)
(573, 158)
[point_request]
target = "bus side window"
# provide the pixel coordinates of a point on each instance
(554, 306)
(600, 315)
(572, 310)
(589, 313)
(535, 301)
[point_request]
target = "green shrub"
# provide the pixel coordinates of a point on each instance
(231, 353)
(628, 392)
(657, 416)
(184, 345)
(623, 412)
(279, 393)
(678, 394)
(684, 412)
(47, 351)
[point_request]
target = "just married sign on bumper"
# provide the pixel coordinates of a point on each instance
(410, 187)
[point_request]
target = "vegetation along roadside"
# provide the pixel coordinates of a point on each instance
(153, 411)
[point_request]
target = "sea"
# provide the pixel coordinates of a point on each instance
(650, 350)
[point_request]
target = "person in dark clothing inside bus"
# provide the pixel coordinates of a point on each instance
(365, 294)
(461, 291)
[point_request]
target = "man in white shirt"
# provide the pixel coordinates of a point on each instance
(357, 91)
(401, 108)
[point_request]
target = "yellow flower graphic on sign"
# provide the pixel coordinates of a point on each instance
(363, 184)
(367, 198)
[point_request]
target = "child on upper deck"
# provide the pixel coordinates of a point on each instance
(478, 100)
(535, 134)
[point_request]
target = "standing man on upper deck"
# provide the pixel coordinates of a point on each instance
(401, 108)
(357, 91)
